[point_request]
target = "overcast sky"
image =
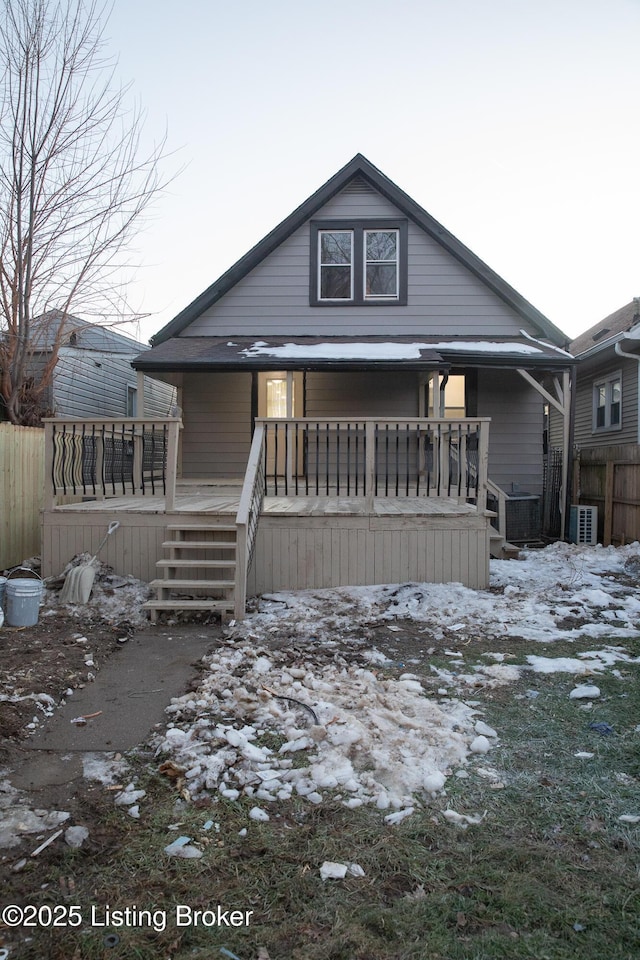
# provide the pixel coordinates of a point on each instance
(514, 123)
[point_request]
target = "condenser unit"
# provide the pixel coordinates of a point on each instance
(583, 524)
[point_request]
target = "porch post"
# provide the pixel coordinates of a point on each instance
(563, 406)
(49, 495)
(370, 461)
(172, 465)
(568, 389)
(483, 462)
(289, 433)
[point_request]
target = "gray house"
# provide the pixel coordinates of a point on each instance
(355, 392)
(607, 423)
(93, 376)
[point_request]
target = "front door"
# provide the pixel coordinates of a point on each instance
(280, 397)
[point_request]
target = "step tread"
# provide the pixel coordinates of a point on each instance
(208, 527)
(192, 584)
(193, 564)
(188, 605)
(201, 544)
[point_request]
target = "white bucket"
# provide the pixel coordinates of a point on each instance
(22, 601)
(3, 581)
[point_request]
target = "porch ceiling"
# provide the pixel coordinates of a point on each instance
(347, 353)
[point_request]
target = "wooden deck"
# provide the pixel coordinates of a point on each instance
(227, 505)
(322, 504)
(302, 542)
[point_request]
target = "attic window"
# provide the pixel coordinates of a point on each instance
(358, 262)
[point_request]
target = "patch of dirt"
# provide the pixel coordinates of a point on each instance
(44, 661)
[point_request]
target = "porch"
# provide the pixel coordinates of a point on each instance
(322, 503)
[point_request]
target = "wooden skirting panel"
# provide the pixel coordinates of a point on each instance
(291, 552)
(307, 552)
(133, 549)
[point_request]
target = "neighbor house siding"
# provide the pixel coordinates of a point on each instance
(362, 395)
(93, 384)
(159, 398)
(584, 435)
(444, 297)
(88, 384)
(516, 431)
(217, 425)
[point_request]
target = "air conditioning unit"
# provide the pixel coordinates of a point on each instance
(583, 524)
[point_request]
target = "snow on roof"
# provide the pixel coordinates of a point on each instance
(388, 350)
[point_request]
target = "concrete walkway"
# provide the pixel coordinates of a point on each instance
(130, 694)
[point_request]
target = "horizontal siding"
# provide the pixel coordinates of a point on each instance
(159, 398)
(361, 395)
(516, 430)
(217, 418)
(216, 438)
(584, 434)
(443, 296)
(91, 384)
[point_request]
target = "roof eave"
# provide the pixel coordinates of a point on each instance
(602, 347)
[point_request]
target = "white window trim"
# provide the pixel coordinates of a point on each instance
(348, 299)
(606, 382)
(132, 400)
(391, 297)
(358, 229)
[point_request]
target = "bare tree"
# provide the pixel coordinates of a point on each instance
(74, 182)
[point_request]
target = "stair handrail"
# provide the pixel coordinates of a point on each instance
(501, 496)
(248, 515)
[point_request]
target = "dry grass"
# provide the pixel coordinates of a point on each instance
(551, 872)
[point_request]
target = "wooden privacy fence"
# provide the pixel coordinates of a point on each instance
(21, 492)
(609, 478)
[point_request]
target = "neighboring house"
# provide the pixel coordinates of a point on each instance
(606, 430)
(93, 376)
(358, 372)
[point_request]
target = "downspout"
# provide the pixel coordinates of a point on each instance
(443, 383)
(636, 357)
(569, 454)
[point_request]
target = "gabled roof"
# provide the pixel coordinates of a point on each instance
(608, 331)
(360, 167)
(80, 334)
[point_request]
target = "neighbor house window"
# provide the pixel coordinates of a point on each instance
(358, 262)
(607, 403)
(132, 401)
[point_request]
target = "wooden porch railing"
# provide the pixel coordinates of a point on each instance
(248, 515)
(501, 497)
(118, 457)
(371, 458)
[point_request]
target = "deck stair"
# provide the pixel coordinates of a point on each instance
(198, 571)
(500, 548)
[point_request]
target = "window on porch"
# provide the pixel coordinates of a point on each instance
(454, 397)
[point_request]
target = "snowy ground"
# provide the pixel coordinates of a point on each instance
(323, 711)
(301, 701)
